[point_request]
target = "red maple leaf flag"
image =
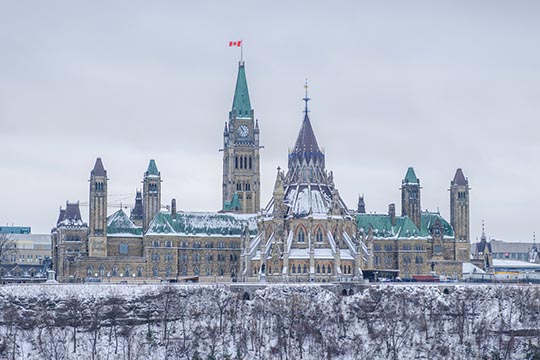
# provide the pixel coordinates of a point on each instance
(235, 43)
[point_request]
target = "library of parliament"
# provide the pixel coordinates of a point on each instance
(305, 233)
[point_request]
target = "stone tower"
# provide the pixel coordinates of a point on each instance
(97, 238)
(241, 162)
(410, 197)
(459, 214)
(151, 193)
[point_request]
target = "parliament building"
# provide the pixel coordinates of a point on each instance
(305, 233)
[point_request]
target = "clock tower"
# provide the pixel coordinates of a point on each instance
(241, 162)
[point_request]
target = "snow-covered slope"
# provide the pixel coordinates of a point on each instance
(279, 322)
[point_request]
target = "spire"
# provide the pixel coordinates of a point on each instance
(306, 143)
(98, 170)
(361, 205)
(459, 178)
(483, 237)
(152, 168)
(410, 177)
(241, 103)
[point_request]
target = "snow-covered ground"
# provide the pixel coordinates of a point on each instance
(279, 322)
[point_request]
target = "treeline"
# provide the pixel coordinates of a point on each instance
(279, 322)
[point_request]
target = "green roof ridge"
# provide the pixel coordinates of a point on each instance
(241, 102)
(410, 177)
(120, 223)
(152, 168)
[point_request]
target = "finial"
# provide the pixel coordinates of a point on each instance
(306, 99)
(278, 168)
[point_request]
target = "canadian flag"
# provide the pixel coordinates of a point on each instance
(235, 43)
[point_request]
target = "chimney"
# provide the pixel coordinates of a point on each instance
(392, 213)
(173, 208)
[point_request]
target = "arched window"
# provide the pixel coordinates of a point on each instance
(139, 271)
(101, 270)
(319, 236)
(127, 271)
(221, 272)
(318, 268)
(89, 270)
(301, 235)
(329, 268)
(324, 269)
(250, 162)
(245, 162)
(184, 271)
(294, 269)
(155, 271)
(349, 269)
(115, 270)
(196, 270)
(239, 187)
(305, 268)
(236, 162)
(168, 271)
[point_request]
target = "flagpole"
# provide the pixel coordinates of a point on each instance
(241, 51)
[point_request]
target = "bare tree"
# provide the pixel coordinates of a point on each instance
(7, 248)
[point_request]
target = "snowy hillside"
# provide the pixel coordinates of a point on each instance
(279, 322)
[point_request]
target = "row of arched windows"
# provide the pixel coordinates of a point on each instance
(101, 271)
(246, 187)
(243, 162)
(99, 186)
(301, 235)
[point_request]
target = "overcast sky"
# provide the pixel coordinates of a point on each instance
(434, 85)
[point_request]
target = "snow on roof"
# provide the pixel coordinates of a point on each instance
(503, 263)
(469, 268)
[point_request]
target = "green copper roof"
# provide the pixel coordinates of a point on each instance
(241, 101)
(404, 228)
(410, 177)
(120, 224)
(152, 168)
(233, 205)
(202, 224)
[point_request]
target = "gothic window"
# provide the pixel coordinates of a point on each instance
(294, 269)
(208, 271)
(184, 271)
(349, 268)
(376, 260)
(127, 271)
(323, 269)
(155, 243)
(318, 269)
(115, 270)
(155, 271)
(301, 235)
(197, 258)
(406, 246)
(250, 162)
(239, 187)
(247, 187)
(319, 235)
(101, 270)
(196, 270)
(89, 270)
(305, 268)
(419, 260)
(168, 271)
(139, 271)
(269, 269)
(221, 271)
(168, 243)
(245, 162)
(236, 162)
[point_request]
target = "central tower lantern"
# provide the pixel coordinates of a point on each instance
(241, 162)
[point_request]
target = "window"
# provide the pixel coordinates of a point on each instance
(184, 271)
(101, 270)
(168, 271)
(155, 271)
(168, 243)
(318, 269)
(127, 271)
(115, 270)
(196, 270)
(123, 249)
(301, 235)
(305, 268)
(238, 187)
(236, 162)
(323, 269)
(419, 260)
(319, 236)
(406, 247)
(294, 269)
(89, 270)
(139, 271)
(155, 243)
(329, 269)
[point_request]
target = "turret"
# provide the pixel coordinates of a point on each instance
(97, 238)
(459, 214)
(410, 197)
(151, 193)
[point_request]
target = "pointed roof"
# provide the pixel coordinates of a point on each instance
(241, 102)
(459, 178)
(98, 170)
(306, 142)
(120, 224)
(152, 168)
(410, 177)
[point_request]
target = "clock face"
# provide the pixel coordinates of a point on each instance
(243, 131)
